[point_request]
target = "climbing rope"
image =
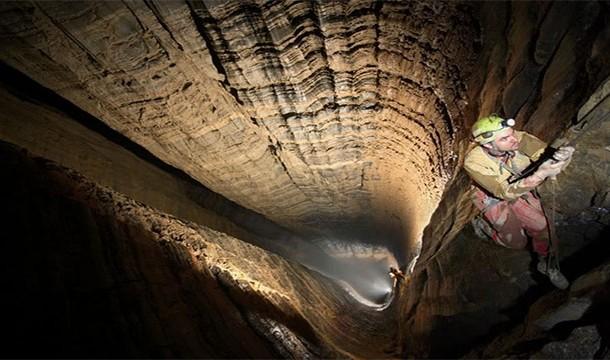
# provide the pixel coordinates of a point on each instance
(554, 244)
(593, 117)
(580, 129)
(553, 256)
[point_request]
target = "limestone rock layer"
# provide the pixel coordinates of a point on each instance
(315, 114)
(327, 117)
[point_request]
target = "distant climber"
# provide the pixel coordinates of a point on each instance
(396, 275)
(511, 210)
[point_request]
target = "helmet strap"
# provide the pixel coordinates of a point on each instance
(491, 150)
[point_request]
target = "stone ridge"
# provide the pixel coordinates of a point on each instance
(302, 111)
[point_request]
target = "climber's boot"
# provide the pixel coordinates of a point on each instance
(553, 273)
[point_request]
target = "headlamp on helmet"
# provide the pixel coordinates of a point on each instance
(485, 129)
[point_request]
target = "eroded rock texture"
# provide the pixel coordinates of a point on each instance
(109, 276)
(337, 122)
(314, 114)
(549, 81)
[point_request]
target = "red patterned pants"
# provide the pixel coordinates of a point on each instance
(513, 221)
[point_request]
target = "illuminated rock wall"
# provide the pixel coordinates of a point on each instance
(316, 115)
(341, 121)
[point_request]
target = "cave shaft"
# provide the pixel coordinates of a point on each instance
(321, 116)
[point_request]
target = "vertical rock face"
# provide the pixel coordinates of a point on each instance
(546, 65)
(357, 97)
(314, 114)
(340, 120)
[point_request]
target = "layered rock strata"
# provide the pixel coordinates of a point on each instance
(316, 115)
(343, 121)
(48, 126)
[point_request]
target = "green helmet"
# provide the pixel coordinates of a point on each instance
(485, 129)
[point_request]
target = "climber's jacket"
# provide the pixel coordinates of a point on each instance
(492, 173)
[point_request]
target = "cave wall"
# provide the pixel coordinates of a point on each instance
(83, 281)
(319, 115)
(546, 65)
(92, 273)
(48, 133)
(312, 114)
(48, 126)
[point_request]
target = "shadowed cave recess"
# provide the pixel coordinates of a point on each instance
(219, 179)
